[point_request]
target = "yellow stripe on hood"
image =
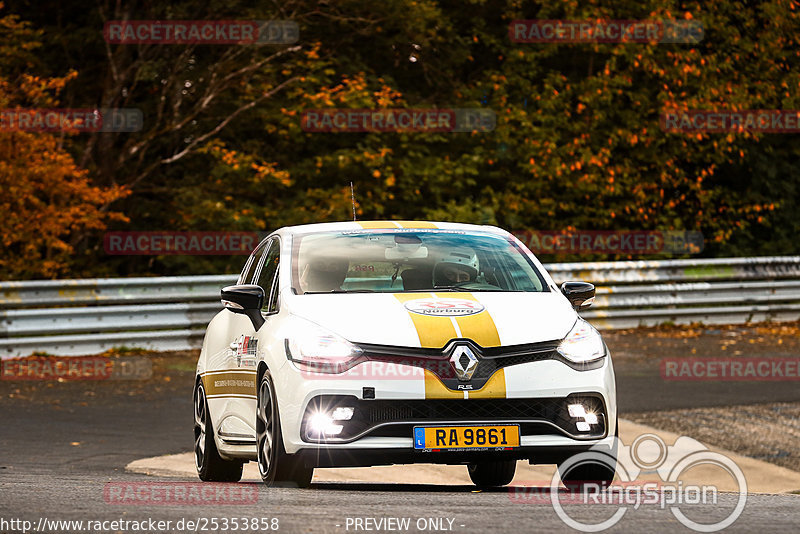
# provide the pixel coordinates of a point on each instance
(433, 332)
(480, 327)
(377, 225)
(393, 225)
(416, 224)
(436, 331)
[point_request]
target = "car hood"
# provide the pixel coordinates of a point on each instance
(431, 320)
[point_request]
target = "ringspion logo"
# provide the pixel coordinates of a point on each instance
(617, 492)
(623, 465)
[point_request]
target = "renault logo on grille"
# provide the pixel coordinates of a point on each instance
(464, 362)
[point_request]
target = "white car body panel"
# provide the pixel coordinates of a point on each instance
(381, 319)
(546, 316)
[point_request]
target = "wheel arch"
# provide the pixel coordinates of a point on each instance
(262, 369)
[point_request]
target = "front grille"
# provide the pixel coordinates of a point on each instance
(388, 413)
(382, 417)
(437, 361)
(487, 366)
(458, 409)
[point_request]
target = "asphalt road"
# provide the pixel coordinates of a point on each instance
(61, 444)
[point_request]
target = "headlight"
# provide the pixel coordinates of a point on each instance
(583, 344)
(313, 348)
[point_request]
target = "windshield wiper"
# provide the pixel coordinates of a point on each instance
(431, 289)
(338, 291)
(460, 289)
(435, 288)
(449, 288)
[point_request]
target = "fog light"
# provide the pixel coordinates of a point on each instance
(322, 424)
(585, 419)
(342, 414)
(333, 430)
(318, 422)
(576, 410)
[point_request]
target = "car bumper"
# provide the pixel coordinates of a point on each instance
(529, 383)
(366, 456)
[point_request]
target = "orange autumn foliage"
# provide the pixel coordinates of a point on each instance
(46, 201)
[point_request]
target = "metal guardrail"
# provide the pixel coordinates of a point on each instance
(709, 291)
(72, 317)
(38, 293)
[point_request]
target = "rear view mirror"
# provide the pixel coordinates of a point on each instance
(579, 294)
(246, 299)
(406, 247)
(401, 253)
(407, 239)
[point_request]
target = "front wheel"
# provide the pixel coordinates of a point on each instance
(211, 467)
(492, 474)
(275, 466)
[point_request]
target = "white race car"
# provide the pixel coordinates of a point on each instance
(388, 342)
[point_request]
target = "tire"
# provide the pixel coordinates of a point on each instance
(600, 472)
(275, 466)
(492, 474)
(580, 475)
(211, 467)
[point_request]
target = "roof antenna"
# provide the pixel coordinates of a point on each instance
(353, 200)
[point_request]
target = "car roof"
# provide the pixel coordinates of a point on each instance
(386, 225)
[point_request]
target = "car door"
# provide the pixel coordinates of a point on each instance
(239, 378)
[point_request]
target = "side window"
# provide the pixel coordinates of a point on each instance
(250, 268)
(268, 278)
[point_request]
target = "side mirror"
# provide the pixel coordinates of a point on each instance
(245, 299)
(579, 294)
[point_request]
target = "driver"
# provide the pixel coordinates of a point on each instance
(324, 275)
(457, 267)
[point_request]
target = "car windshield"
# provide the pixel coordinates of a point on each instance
(408, 261)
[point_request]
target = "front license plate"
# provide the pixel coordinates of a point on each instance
(466, 437)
